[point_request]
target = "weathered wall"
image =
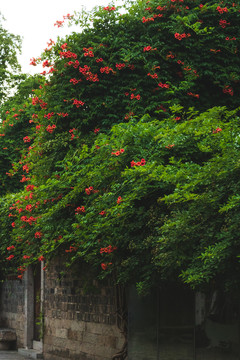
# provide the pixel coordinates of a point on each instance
(79, 317)
(12, 307)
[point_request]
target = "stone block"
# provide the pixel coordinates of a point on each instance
(7, 335)
(110, 341)
(74, 335)
(62, 333)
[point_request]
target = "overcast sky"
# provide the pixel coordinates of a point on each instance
(34, 22)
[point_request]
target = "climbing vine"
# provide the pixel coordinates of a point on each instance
(129, 147)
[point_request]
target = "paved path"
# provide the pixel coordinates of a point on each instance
(11, 355)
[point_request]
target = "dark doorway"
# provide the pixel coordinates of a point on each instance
(174, 323)
(161, 325)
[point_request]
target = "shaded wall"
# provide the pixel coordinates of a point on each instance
(12, 307)
(174, 323)
(79, 317)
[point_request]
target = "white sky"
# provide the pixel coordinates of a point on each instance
(34, 22)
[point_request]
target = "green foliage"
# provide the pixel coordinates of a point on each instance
(17, 120)
(131, 156)
(10, 46)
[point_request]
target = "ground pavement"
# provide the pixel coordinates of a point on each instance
(11, 355)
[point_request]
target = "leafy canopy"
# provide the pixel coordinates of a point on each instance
(129, 160)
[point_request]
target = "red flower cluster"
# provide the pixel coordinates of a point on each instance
(144, 20)
(78, 103)
(68, 54)
(223, 23)
(25, 257)
(12, 247)
(29, 197)
(38, 235)
(170, 55)
(28, 207)
(26, 139)
(72, 134)
(127, 116)
(88, 74)
(120, 66)
(221, 10)
(99, 60)
(228, 90)
(33, 62)
(139, 163)
(217, 130)
(84, 70)
(105, 266)
(194, 95)
(137, 97)
(103, 213)
(131, 67)
(107, 8)
(170, 146)
(109, 249)
(43, 104)
(49, 115)
(164, 86)
(62, 114)
(68, 16)
(59, 23)
(180, 62)
(75, 81)
(80, 209)
(46, 63)
(75, 64)
(10, 257)
(30, 187)
(50, 128)
(153, 76)
(21, 269)
(88, 52)
(71, 249)
(49, 72)
(117, 153)
(29, 220)
(106, 70)
(119, 200)
(41, 258)
(25, 168)
(181, 36)
(35, 100)
(64, 46)
(149, 48)
(90, 190)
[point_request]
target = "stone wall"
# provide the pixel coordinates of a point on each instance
(12, 307)
(79, 316)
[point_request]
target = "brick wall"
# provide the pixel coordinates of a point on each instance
(79, 316)
(12, 307)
